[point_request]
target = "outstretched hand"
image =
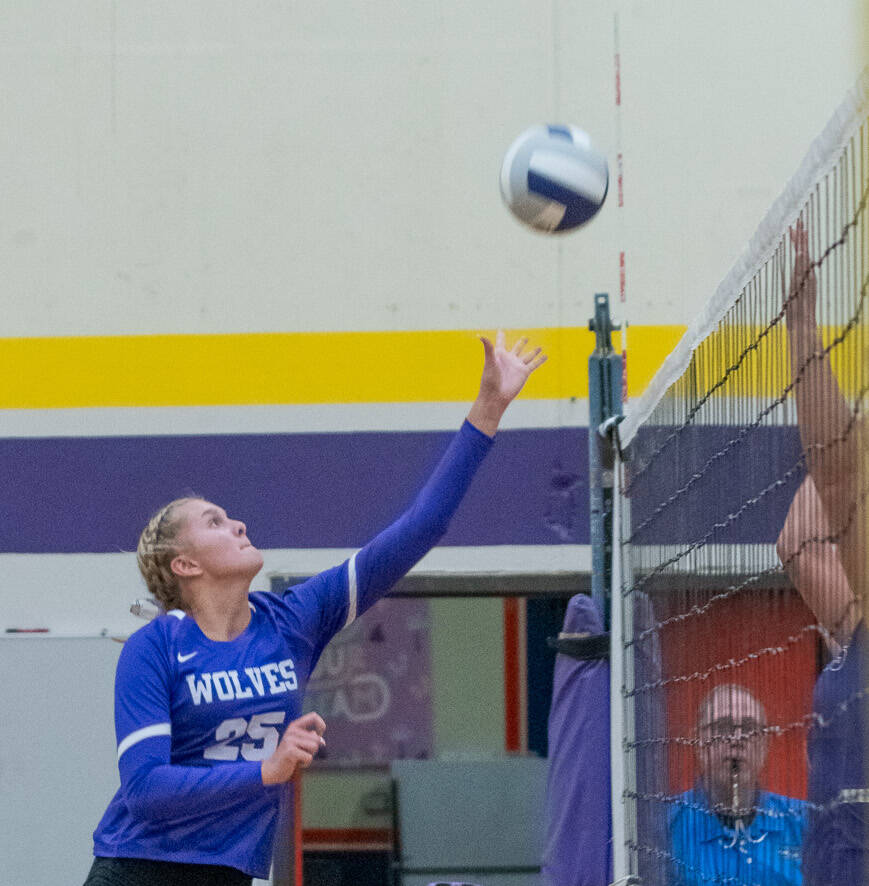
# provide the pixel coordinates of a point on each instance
(799, 237)
(504, 375)
(803, 289)
(505, 372)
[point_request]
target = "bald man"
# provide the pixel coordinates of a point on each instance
(726, 829)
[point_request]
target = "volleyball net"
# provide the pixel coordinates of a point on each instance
(740, 589)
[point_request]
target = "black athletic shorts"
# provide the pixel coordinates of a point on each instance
(144, 872)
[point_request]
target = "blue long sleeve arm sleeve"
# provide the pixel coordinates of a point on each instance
(394, 551)
(155, 789)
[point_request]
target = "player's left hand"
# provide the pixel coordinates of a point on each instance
(504, 375)
(506, 371)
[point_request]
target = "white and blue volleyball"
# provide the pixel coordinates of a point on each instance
(553, 180)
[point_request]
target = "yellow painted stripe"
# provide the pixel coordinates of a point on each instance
(278, 368)
(760, 364)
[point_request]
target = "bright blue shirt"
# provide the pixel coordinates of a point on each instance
(766, 853)
(195, 717)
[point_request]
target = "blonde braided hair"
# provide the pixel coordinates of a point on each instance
(155, 552)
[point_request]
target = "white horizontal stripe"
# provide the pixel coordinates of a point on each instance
(488, 559)
(142, 734)
(710, 559)
(308, 418)
(97, 589)
(66, 635)
(351, 591)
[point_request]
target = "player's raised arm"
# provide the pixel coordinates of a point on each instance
(400, 546)
(333, 599)
(829, 431)
(825, 418)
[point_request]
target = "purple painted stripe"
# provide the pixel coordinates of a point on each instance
(713, 473)
(93, 495)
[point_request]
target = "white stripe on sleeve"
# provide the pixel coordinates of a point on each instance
(142, 734)
(351, 591)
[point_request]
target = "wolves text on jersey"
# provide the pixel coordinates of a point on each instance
(274, 678)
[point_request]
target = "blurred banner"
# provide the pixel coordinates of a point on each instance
(372, 686)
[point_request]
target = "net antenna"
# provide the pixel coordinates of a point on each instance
(742, 555)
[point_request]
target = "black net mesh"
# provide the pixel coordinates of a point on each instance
(744, 563)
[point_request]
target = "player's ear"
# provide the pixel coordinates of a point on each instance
(185, 567)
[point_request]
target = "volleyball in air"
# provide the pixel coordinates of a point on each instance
(553, 180)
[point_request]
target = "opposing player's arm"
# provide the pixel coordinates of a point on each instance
(812, 563)
(829, 432)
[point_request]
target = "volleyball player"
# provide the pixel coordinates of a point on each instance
(823, 548)
(208, 696)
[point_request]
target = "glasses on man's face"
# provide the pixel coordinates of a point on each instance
(728, 728)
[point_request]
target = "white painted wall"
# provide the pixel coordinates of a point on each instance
(57, 756)
(214, 166)
(721, 103)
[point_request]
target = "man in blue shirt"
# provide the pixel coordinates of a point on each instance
(726, 829)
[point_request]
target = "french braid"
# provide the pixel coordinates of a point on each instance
(155, 552)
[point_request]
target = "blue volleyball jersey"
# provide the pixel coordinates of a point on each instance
(195, 717)
(837, 842)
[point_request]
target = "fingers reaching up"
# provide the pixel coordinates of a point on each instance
(505, 372)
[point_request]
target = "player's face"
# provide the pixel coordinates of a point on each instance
(732, 745)
(217, 544)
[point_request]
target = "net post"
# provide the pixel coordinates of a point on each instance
(621, 731)
(604, 404)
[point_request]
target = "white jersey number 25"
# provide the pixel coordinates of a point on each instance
(261, 729)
